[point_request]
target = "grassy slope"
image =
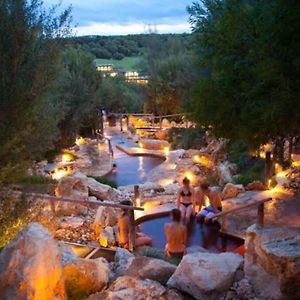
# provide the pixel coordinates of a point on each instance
(128, 63)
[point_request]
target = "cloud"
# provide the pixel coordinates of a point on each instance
(109, 16)
(131, 28)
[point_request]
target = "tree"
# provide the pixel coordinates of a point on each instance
(30, 39)
(78, 88)
(249, 54)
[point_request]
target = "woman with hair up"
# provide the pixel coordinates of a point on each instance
(123, 230)
(185, 200)
(176, 235)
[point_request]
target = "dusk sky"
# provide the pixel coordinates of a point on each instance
(111, 17)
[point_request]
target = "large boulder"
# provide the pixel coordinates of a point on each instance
(127, 287)
(85, 276)
(206, 275)
(123, 259)
(226, 171)
(256, 186)
(99, 190)
(151, 268)
(30, 267)
(232, 190)
(152, 144)
(74, 188)
(105, 216)
(272, 262)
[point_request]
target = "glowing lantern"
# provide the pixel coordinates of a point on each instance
(67, 157)
(166, 150)
(80, 141)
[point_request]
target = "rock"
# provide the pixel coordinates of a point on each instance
(105, 216)
(127, 287)
(107, 237)
(145, 187)
(86, 276)
(151, 268)
(151, 144)
(206, 275)
(241, 290)
(123, 259)
(232, 190)
(165, 123)
(70, 222)
(74, 188)
(195, 249)
(226, 171)
(272, 262)
(99, 190)
(256, 186)
(30, 267)
(67, 254)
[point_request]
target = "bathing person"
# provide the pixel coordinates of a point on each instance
(215, 204)
(185, 200)
(176, 236)
(123, 230)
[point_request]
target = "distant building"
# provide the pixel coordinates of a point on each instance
(109, 70)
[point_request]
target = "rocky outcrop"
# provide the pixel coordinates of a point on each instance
(127, 287)
(232, 190)
(85, 276)
(30, 267)
(99, 190)
(74, 188)
(107, 237)
(151, 268)
(272, 262)
(105, 216)
(206, 275)
(226, 170)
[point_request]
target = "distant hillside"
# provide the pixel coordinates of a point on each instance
(119, 47)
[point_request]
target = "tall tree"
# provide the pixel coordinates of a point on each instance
(249, 51)
(29, 51)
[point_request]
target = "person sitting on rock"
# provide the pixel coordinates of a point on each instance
(123, 230)
(215, 203)
(185, 200)
(176, 236)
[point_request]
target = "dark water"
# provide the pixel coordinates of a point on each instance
(203, 235)
(130, 169)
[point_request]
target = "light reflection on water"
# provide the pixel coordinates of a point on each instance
(130, 169)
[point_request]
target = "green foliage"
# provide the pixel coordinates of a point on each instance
(13, 217)
(34, 180)
(118, 96)
(106, 181)
(186, 138)
(30, 40)
(249, 55)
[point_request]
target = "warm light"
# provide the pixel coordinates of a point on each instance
(269, 183)
(138, 202)
(165, 181)
(170, 166)
(141, 145)
(67, 157)
(59, 173)
(102, 146)
(203, 160)
(296, 164)
(278, 168)
(189, 175)
(166, 150)
(80, 141)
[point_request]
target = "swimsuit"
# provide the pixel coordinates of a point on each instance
(186, 194)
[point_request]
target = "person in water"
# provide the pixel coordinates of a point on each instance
(185, 200)
(176, 236)
(214, 199)
(123, 230)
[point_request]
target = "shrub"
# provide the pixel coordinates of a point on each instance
(106, 181)
(29, 179)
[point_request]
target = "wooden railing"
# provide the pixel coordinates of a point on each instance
(53, 199)
(260, 212)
